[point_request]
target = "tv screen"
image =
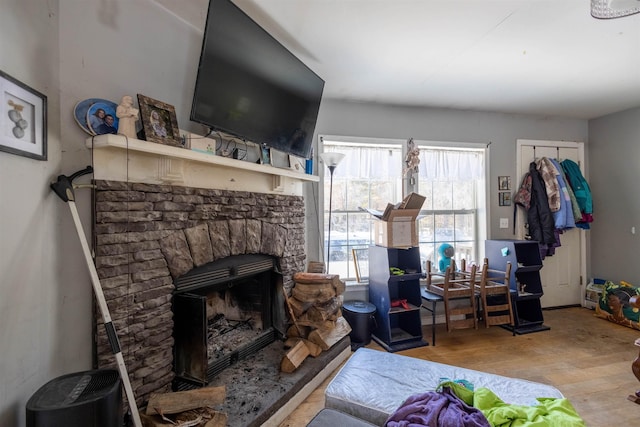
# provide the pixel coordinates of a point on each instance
(250, 86)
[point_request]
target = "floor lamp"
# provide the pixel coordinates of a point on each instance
(331, 160)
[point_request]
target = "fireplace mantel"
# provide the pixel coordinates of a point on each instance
(118, 158)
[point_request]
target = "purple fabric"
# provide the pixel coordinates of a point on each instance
(435, 409)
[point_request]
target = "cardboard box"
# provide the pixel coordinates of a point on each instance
(399, 230)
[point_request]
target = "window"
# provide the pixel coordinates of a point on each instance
(371, 175)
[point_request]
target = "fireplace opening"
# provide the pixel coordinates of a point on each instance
(223, 313)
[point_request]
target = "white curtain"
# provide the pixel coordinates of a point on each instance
(448, 165)
(387, 162)
(368, 162)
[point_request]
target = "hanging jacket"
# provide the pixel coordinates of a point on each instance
(539, 216)
(564, 216)
(579, 185)
(577, 214)
(549, 174)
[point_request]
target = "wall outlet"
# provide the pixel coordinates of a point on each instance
(504, 222)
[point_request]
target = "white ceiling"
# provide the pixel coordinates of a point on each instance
(547, 57)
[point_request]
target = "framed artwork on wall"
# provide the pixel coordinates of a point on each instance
(504, 183)
(23, 119)
(159, 121)
(504, 198)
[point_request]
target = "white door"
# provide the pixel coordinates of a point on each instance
(563, 274)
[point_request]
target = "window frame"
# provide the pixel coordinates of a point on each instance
(410, 184)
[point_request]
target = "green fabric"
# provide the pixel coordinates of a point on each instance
(464, 391)
(556, 412)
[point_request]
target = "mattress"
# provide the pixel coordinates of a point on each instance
(373, 384)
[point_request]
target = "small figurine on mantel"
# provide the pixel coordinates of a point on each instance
(128, 116)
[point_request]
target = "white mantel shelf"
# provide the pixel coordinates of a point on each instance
(116, 157)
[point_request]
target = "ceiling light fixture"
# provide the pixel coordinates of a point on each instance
(609, 9)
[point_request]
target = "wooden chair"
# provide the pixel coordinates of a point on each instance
(495, 296)
(452, 287)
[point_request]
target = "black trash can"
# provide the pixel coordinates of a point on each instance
(361, 317)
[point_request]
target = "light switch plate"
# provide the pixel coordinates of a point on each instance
(504, 222)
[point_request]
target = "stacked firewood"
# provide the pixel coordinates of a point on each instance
(315, 307)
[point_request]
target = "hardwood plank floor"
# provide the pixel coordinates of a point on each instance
(587, 358)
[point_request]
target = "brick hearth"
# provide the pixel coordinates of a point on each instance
(146, 235)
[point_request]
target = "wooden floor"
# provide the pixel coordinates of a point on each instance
(587, 358)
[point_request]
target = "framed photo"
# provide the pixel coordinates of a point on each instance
(23, 119)
(296, 164)
(504, 198)
(265, 155)
(504, 183)
(159, 121)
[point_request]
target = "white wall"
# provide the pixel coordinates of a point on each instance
(614, 175)
(500, 130)
(34, 305)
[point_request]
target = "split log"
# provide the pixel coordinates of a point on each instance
(317, 278)
(206, 417)
(293, 316)
(181, 401)
(326, 338)
(318, 293)
(301, 331)
(327, 324)
(322, 312)
(314, 349)
(316, 267)
(294, 358)
(299, 307)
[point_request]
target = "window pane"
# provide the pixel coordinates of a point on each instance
(464, 195)
(442, 192)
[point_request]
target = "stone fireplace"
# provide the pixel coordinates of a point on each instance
(164, 215)
(150, 237)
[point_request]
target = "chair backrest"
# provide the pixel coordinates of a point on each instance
(492, 279)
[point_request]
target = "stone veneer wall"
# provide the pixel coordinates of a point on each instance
(145, 235)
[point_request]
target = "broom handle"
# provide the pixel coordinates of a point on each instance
(63, 187)
(106, 317)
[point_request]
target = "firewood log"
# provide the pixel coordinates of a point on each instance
(322, 312)
(326, 338)
(294, 358)
(314, 294)
(314, 349)
(299, 307)
(181, 401)
(317, 278)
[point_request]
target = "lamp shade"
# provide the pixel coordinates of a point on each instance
(608, 9)
(331, 159)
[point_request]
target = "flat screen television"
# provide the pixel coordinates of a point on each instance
(250, 86)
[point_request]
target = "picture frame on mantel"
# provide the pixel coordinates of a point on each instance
(159, 121)
(23, 119)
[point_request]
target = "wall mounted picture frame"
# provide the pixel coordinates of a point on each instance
(159, 121)
(296, 163)
(23, 119)
(265, 155)
(504, 198)
(504, 183)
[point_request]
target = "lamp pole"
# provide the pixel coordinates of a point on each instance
(331, 160)
(331, 169)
